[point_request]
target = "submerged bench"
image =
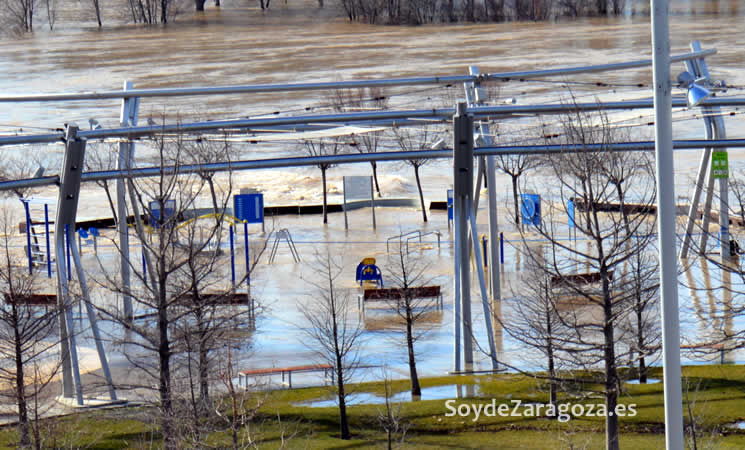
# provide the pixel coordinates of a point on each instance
(326, 368)
(34, 299)
(385, 294)
(577, 279)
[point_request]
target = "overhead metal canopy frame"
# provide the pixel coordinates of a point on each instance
(472, 115)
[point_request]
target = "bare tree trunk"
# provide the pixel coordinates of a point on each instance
(640, 344)
(23, 435)
(375, 176)
(421, 195)
(611, 371)
(416, 389)
(164, 355)
(514, 197)
(199, 5)
(323, 179)
(343, 423)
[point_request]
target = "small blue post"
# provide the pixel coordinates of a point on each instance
(144, 267)
(483, 250)
(232, 256)
(248, 263)
(501, 247)
(28, 239)
(67, 243)
(49, 253)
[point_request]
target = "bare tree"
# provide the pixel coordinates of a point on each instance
(323, 148)
(515, 166)
(417, 139)
(333, 331)
(98, 157)
(27, 337)
(407, 273)
(391, 418)
(370, 98)
(601, 298)
(536, 320)
(179, 291)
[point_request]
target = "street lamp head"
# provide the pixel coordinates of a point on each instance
(696, 92)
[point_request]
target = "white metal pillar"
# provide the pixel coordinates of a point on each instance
(127, 118)
(64, 226)
(462, 189)
(666, 225)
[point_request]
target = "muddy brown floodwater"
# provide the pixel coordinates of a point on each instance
(297, 42)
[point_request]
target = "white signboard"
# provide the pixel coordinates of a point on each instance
(358, 188)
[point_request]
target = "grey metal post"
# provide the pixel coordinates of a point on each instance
(703, 169)
(666, 225)
(482, 285)
(491, 187)
(127, 118)
(93, 323)
(372, 200)
(462, 190)
(713, 114)
(67, 204)
(344, 189)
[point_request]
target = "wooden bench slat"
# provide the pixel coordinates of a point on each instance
(395, 293)
(274, 370)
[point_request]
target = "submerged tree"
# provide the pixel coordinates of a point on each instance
(333, 332)
(599, 300)
(27, 337)
(407, 274)
(323, 148)
(409, 139)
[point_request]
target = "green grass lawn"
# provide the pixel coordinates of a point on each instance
(716, 395)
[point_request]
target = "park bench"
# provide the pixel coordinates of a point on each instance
(386, 294)
(326, 368)
(577, 279)
(35, 299)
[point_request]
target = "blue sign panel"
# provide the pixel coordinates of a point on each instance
(450, 204)
(249, 207)
(531, 209)
(570, 212)
(155, 207)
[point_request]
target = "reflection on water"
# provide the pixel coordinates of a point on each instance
(429, 393)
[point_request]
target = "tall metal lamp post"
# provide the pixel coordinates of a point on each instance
(666, 225)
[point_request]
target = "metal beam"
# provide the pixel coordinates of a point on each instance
(246, 125)
(273, 163)
(294, 87)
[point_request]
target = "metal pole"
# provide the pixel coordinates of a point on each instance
(232, 256)
(93, 324)
(372, 200)
(713, 114)
(463, 189)
(344, 188)
(123, 164)
(246, 250)
(67, 205)
(666, 226)
(28, 238)
(482, 286)
(46, 228)
(67, 245)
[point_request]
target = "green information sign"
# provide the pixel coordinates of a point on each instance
(719, 165)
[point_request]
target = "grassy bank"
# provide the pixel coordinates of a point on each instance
(716, 395)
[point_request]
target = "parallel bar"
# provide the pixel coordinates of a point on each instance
(46, 228)
(349, 118)
(291, 87)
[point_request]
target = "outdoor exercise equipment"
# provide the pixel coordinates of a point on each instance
(284, 233)
(368, 273)
(38, 242)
